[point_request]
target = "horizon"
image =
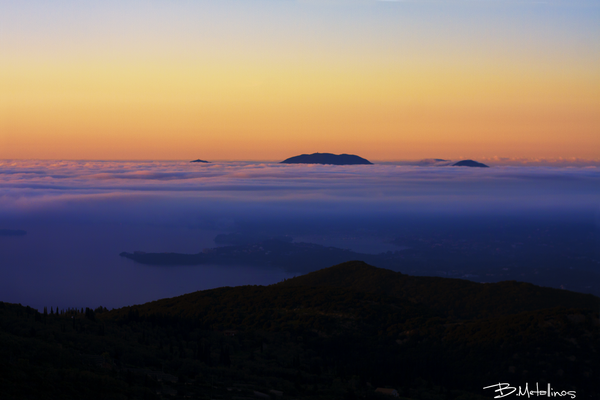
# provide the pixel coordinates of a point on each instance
(496, 161)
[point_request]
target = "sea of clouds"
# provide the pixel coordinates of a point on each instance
(37, 186)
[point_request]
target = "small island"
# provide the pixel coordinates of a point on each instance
(327, 158)
(469, 163)
(201, 161)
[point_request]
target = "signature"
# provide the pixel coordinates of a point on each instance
(505, 389)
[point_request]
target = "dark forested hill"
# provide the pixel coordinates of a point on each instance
(457, 297)
(337, 333)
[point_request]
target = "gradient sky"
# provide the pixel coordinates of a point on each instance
(265, 80)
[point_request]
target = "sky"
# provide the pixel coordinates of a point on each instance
(269, 79)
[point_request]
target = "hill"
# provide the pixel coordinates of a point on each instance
(327, 158)
(337, 333)
(456, 297)
(380, 323)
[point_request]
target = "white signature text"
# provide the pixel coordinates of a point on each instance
(505, 389)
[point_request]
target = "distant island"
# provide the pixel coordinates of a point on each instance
(279, 252)
(12, 232)
(327, 158)
(469, 163)
(201, 161)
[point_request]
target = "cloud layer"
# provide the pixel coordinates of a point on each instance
(32, 186)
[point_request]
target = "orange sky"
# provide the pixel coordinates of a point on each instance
(360, 85)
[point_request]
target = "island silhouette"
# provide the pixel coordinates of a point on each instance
(327, 158)
(201, 161)
(469, 163)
